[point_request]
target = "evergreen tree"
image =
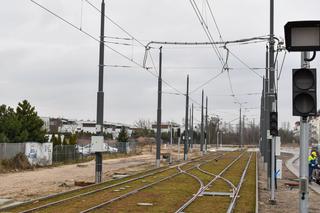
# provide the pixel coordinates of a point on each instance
(31, 124)
(123, 135)
(20, 125)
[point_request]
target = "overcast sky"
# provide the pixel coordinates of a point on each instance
(55, 66)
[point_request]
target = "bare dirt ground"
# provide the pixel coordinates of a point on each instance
(287, 200)
(28, 185)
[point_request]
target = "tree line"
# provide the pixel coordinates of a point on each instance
(21, 124)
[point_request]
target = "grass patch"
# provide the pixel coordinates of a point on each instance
(166, 196)
(38, 203)
(247, 201)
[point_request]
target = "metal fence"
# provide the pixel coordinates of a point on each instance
(128, 147)
(10, 150)
(65, 153)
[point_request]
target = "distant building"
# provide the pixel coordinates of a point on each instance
(165, 127)
(62, 125)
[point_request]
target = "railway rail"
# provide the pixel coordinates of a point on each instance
(168, 182)
(70, 197)
(177, 188)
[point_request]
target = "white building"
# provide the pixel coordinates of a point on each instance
(62, 125)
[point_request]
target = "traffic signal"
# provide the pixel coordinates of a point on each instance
(304, 92)
(274, 123)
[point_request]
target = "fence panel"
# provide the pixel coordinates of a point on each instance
(10, 150)
(127, 147)
(65, 153)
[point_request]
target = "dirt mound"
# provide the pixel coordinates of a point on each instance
(20, 162)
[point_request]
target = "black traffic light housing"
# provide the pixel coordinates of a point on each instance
(304, 92)
(274, 123)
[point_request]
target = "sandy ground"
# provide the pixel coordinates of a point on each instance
(41, 182)
(21, 186)
(287, 200)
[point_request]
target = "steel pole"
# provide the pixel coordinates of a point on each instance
(192, 127)
(186, 142)
(100, 97)
(202, 135)
(304, 145)
(207, 132)
(159, 111)
(240, 129)
(171, 136)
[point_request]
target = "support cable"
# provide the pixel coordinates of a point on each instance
(116, 24)
(114, 50)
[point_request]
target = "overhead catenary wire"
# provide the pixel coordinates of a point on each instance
(214, 20)
(245, 64)
(116, 24)
(206, 29)
(281, 68)
(112, 49)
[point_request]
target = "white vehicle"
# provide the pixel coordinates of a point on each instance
(110, 148)
(84, 150)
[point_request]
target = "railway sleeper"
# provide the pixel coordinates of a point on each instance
(229, 194)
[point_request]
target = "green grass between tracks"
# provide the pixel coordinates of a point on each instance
(247, 201)
(38, 203)
(85, 202)
(220, 203)
(164, 197)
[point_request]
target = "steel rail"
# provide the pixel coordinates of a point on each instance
(184, 206)
(67, 192)
(235, 197)
(143, 187)
(93, 191)
(153, 172)
(211, 174)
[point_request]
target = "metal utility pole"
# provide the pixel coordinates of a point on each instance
(266, 120)
(272, 93)
(159, 111)
(186, 142)
(240, 128)
(100, 96)
(191, 129)
(171, 139)
(254, 131)
(304, 144)
(217, 139)
(202, 133)
(207, 132)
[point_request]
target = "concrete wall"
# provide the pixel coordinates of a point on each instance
(37, 153)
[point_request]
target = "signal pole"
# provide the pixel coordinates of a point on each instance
(159, 111)
(186, 142)
(271, 92)
(100, 96)
(304, 143)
